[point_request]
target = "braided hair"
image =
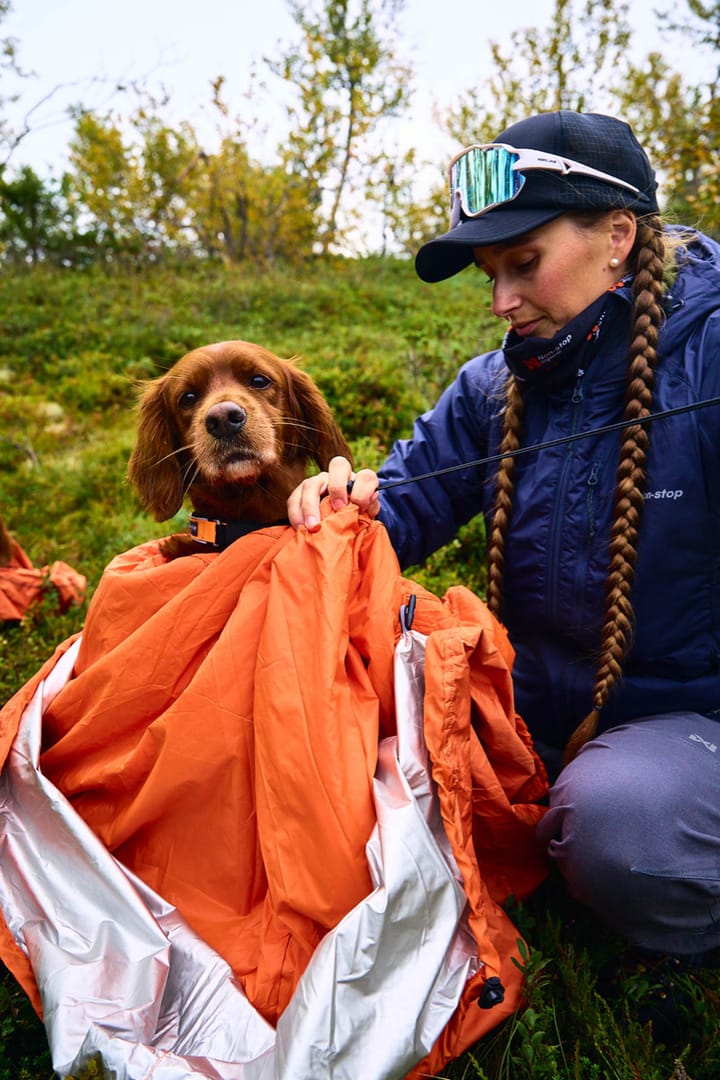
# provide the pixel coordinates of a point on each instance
(647, 259)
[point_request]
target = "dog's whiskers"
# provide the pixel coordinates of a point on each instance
(173, 453)
(189, 477)
(292, 421)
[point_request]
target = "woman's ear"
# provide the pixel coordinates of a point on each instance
(622, 233)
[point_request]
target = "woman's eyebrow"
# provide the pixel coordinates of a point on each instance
(506, 245)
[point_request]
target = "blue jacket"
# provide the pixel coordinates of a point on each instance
(556, 551)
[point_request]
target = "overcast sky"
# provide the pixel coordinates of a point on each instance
(186, 43)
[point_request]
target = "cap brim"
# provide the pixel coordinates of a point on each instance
(453, 251)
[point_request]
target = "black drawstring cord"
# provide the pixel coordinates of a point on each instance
(384, 485)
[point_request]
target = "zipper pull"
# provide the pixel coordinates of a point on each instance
(577, 392)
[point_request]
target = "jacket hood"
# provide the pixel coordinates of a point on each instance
(694, 293)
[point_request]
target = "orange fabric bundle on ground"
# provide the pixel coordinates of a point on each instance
(220, 735)
(22, 585)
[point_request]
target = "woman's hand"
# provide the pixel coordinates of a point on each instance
(304, 501)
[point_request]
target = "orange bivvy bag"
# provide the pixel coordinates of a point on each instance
(257, 822)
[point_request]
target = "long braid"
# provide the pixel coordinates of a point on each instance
(504, 489)
(617, 631)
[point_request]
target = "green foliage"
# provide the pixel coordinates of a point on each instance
(30, 217)
(465, 552)
(243, 211)
(153, 190)
(23, 1048)
(135, 189)
(656, 100)
(147, 189)
(346, 79)
(572, 63)
(92, 1071)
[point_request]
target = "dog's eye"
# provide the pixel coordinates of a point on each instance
(260, 382)
(188, 399)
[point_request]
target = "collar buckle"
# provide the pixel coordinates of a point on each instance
(220, 534)
(206, 530)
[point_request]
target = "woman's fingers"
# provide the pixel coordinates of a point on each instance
(341, 485)
(364, 492)
(340, 478)
(304, 502)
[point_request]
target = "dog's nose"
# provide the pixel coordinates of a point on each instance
(225, 419)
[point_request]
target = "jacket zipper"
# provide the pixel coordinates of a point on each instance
(592, 483)
(556, 530)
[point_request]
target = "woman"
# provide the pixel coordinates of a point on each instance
(603, 551)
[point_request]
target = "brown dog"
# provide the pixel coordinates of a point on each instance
(232, 427)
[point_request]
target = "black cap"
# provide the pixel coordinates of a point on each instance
(602, 142)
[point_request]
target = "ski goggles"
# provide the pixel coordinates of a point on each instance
(482, 177)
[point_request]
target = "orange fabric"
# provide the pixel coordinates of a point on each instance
(22, 585)
(488, 780)
(220, 735)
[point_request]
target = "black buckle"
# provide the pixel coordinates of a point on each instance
(220, 534)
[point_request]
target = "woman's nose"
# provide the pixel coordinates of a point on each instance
(505, 299)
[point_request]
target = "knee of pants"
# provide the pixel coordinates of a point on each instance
(598, 821)
(639, 844)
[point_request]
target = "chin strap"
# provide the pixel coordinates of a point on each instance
(219, 534)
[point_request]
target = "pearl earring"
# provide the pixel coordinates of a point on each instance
(614, 263)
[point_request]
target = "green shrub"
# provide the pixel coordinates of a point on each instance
(23, 1047)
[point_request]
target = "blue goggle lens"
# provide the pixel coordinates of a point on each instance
(483, 177)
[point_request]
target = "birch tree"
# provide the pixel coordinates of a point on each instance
(345, 80)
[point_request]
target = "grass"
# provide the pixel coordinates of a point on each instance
(381, 345)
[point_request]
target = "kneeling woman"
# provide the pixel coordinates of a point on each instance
(604, 551)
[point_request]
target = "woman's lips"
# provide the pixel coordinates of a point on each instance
(525, 329)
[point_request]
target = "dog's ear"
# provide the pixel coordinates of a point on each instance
(154, 469)
(314, 433)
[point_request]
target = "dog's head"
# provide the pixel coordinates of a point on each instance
(233, 427)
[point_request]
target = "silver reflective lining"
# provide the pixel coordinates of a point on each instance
(123, 976)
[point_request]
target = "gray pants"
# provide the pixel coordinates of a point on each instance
(634, 828)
